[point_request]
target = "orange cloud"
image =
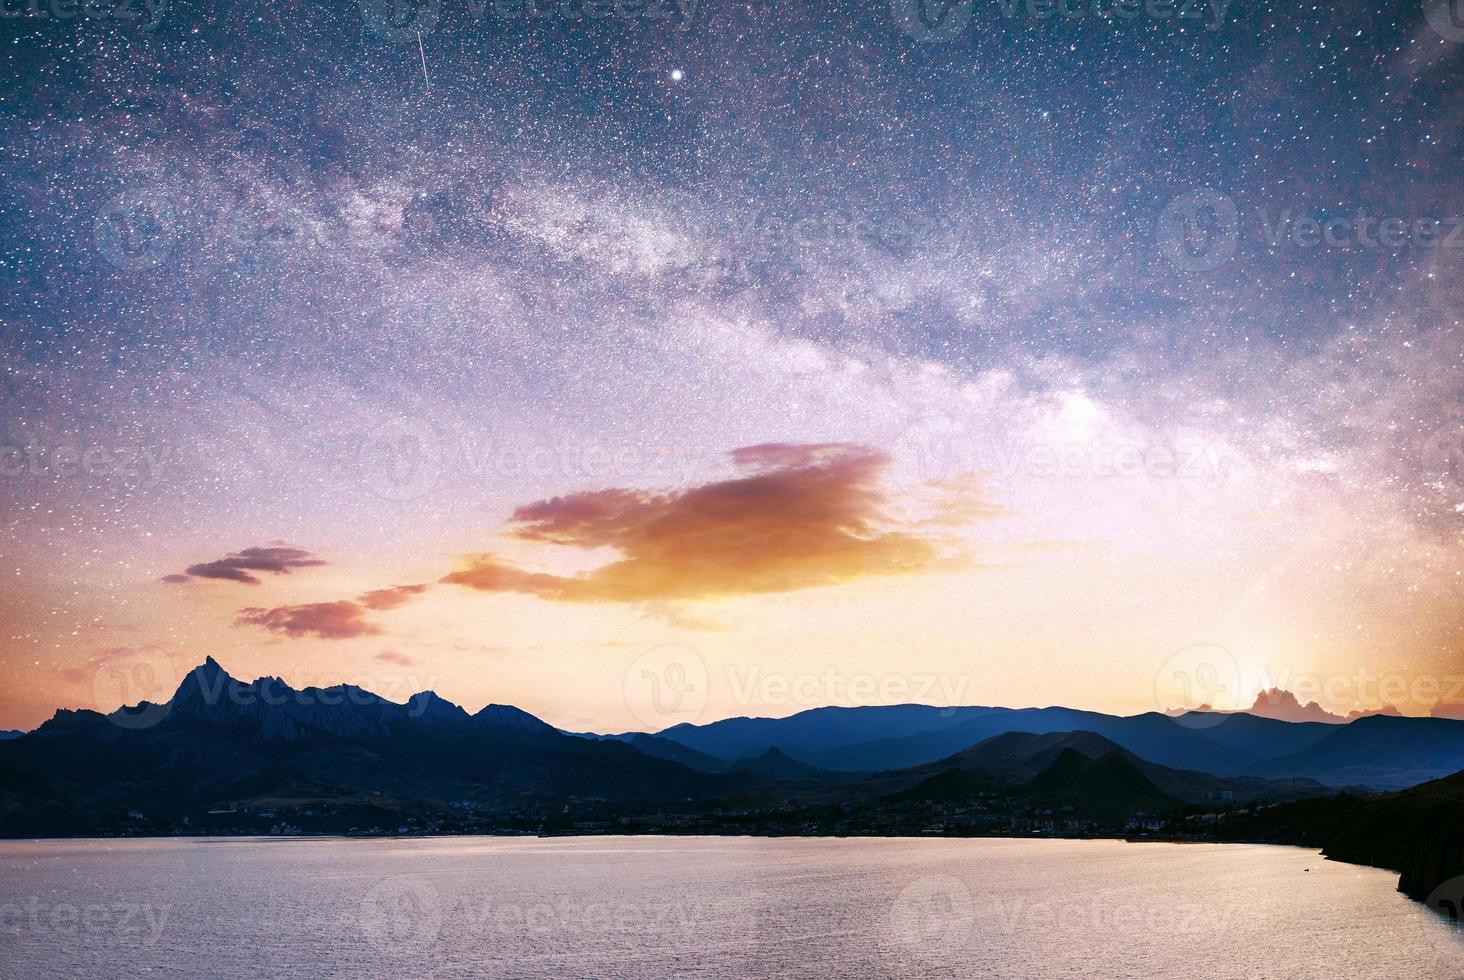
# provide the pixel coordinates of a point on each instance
(327, 620)
(390, 598)
(341, 620)
(809, 516)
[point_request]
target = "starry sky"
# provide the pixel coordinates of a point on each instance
(640, 362)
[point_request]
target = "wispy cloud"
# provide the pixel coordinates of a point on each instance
(240, 566)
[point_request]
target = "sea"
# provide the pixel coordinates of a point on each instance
(642, 907)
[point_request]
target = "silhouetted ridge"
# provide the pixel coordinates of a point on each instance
(664, 748)
(1023, 754)
(1109, 783)
(510, 717)
(776, 762)
(953, 785)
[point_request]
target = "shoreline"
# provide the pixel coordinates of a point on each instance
(580, 835)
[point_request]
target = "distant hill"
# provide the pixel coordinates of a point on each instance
(1381, 751)
(817, 730)
(664, 748)
(1255, 736)
(1110, 784)
(1013, 758)
(775, 762)
(1021, 755)
(1006, 759)
(950, 786)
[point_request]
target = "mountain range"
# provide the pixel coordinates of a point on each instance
(1379, 751)
(219, 741)
(221, 744)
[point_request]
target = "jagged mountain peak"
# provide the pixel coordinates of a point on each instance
(430, 704)
(208, 694)
(210, 671)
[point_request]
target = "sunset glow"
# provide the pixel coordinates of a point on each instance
(923, 391)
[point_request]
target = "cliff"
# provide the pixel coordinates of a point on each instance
(1417, 832)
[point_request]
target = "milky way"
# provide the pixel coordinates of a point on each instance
(1163, 299)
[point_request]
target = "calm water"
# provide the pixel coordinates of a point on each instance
(658, 907)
